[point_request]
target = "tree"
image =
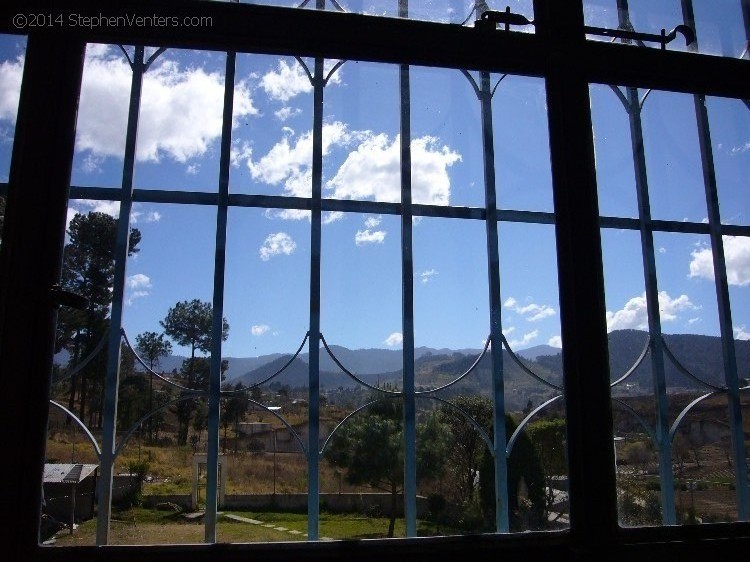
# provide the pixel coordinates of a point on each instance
(189, 323)
(235, 408)
(370, 448)
(465, 456)
(152, 346)
(548, 437)
(88, 270)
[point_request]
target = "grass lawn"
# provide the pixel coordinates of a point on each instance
(146, 526)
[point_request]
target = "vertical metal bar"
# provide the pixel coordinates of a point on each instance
(30, 263)
(728, 350)
(746, 21)
(111, 383)
(666, 476)
(593, 501)
(407, 287)
(502, 521)
(313, 441)
(217, 327)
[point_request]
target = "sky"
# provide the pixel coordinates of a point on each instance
(268, 251)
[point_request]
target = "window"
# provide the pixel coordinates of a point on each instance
(355, 193)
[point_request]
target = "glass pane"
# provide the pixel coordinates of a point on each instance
(12, 50)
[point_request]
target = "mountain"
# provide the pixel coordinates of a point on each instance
(532, 353)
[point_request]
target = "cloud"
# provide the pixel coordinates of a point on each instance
(634, 315)
(289, 162)
(525, 340)
(289, 80)
(427, 275)
(277, 244)
(740, 149)
(531, 312)
(555, 341)
(287, 113)
(138, 286)
(395, 339)
(741, 333)
(373, 170)
(11, 73)
(260, 329)
(111, 208)
(736, 254)
(181, 108)
(370, 235)
(192, 169)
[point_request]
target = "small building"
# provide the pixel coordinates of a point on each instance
(69, 491)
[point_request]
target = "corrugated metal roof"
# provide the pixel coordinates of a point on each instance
(67, 473)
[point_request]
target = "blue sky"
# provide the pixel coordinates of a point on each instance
(268, 251)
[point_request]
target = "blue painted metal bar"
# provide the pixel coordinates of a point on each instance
(729, 354)
(217, 326)
(111, 382)
(407, 304)
(313, 453)
(666, 476)
(502, 514)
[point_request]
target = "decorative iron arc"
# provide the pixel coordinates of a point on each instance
(87, 360)
(333, 70)
(189, 396)
(643, 99)
(150, 60)
(475, 86)
(637, 363)
(524, 368)
(80, 424)
(306, 69)
(349, 416)
(264, 381)
(678, 421)
(352, 375)
(522, 425)
(684, 370)
(640, 420)
(338, 6)
(469, 370)
(621, 97)
(151, 371)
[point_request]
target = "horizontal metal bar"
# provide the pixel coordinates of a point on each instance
(288, 31)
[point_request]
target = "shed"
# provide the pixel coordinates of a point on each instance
(69, 491)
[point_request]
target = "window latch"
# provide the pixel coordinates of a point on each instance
(491, 18)
(61, 297)
(663, 38)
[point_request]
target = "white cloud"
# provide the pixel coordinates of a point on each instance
(525, 340)
(531, 312)
(740, 149)
(277, 244)
(373, 170)
(634, 315)
(138, 286)
(181, 108)
(287, 113)
(363, 237)
(736, 254)
(427, 275)
(289, 80)
(290, 162)
(370, 235)
(92, 164)
(395, 339)
(259, 329)
(555, 341)
(662, 250)
(193, 169)
(508, 331)
(741, 333)
(11, 73)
